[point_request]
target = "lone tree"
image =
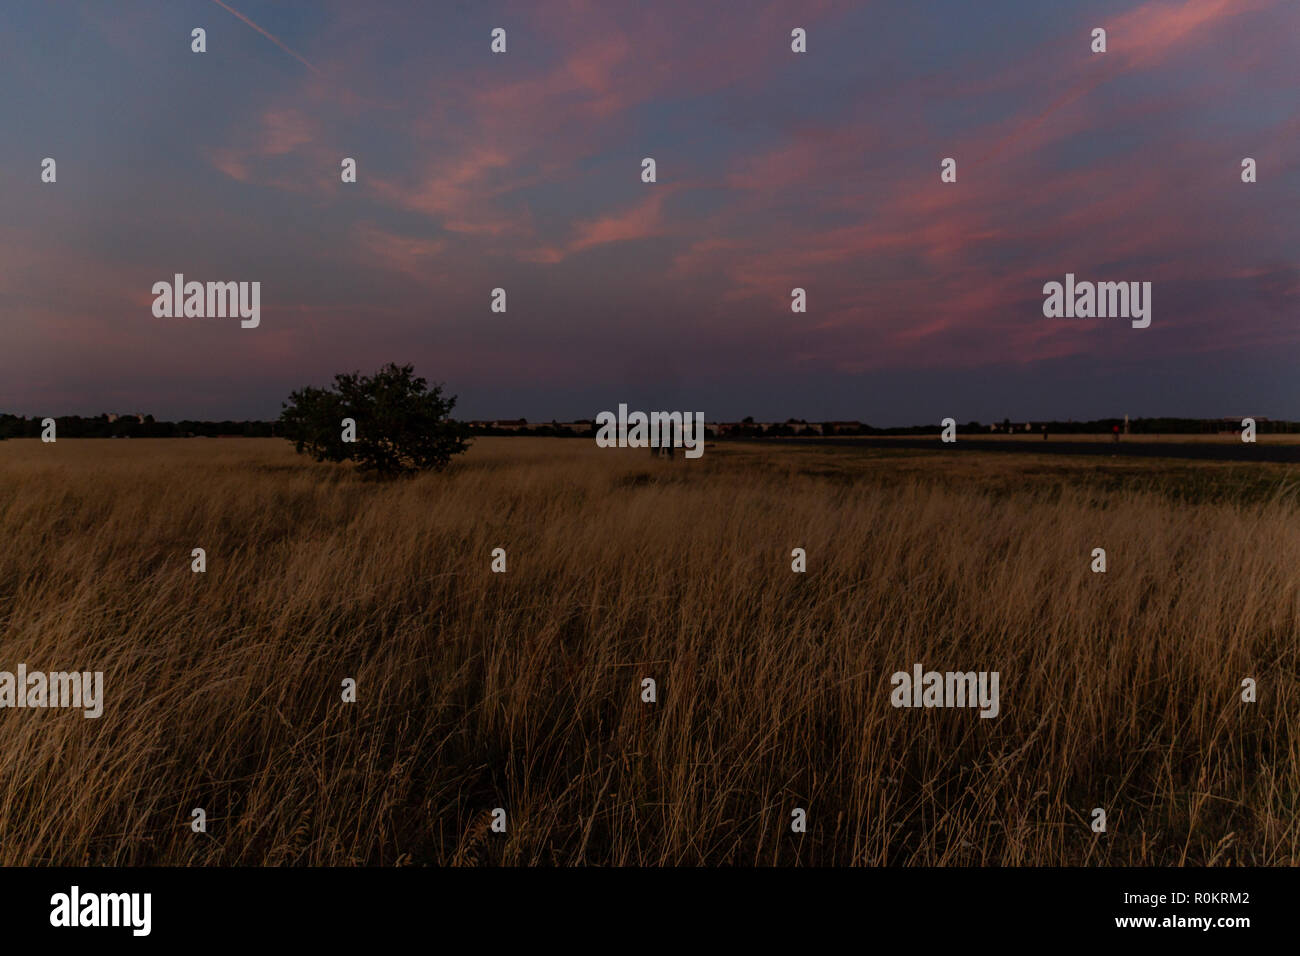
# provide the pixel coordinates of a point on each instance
(402, 426)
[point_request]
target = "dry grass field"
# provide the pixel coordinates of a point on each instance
(522, 690)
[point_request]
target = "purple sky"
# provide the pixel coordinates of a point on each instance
(775, 170)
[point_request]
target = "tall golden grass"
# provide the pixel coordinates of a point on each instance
(522, 690)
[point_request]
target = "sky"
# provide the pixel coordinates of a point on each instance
(775, 170)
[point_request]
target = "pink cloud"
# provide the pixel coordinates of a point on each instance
(284, 130)
(408, 255)
(642, 221)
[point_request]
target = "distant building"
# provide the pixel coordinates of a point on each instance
(841, 428)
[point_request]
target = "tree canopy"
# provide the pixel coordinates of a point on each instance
(401, 425)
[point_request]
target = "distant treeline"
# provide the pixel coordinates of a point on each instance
(131, 426)
(75, 426)
(1135, 426)
(748, 428)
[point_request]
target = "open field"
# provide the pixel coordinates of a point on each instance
(522, 690)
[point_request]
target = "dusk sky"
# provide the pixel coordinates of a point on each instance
(775, 170)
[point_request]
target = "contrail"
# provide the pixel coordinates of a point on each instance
(273, 39)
